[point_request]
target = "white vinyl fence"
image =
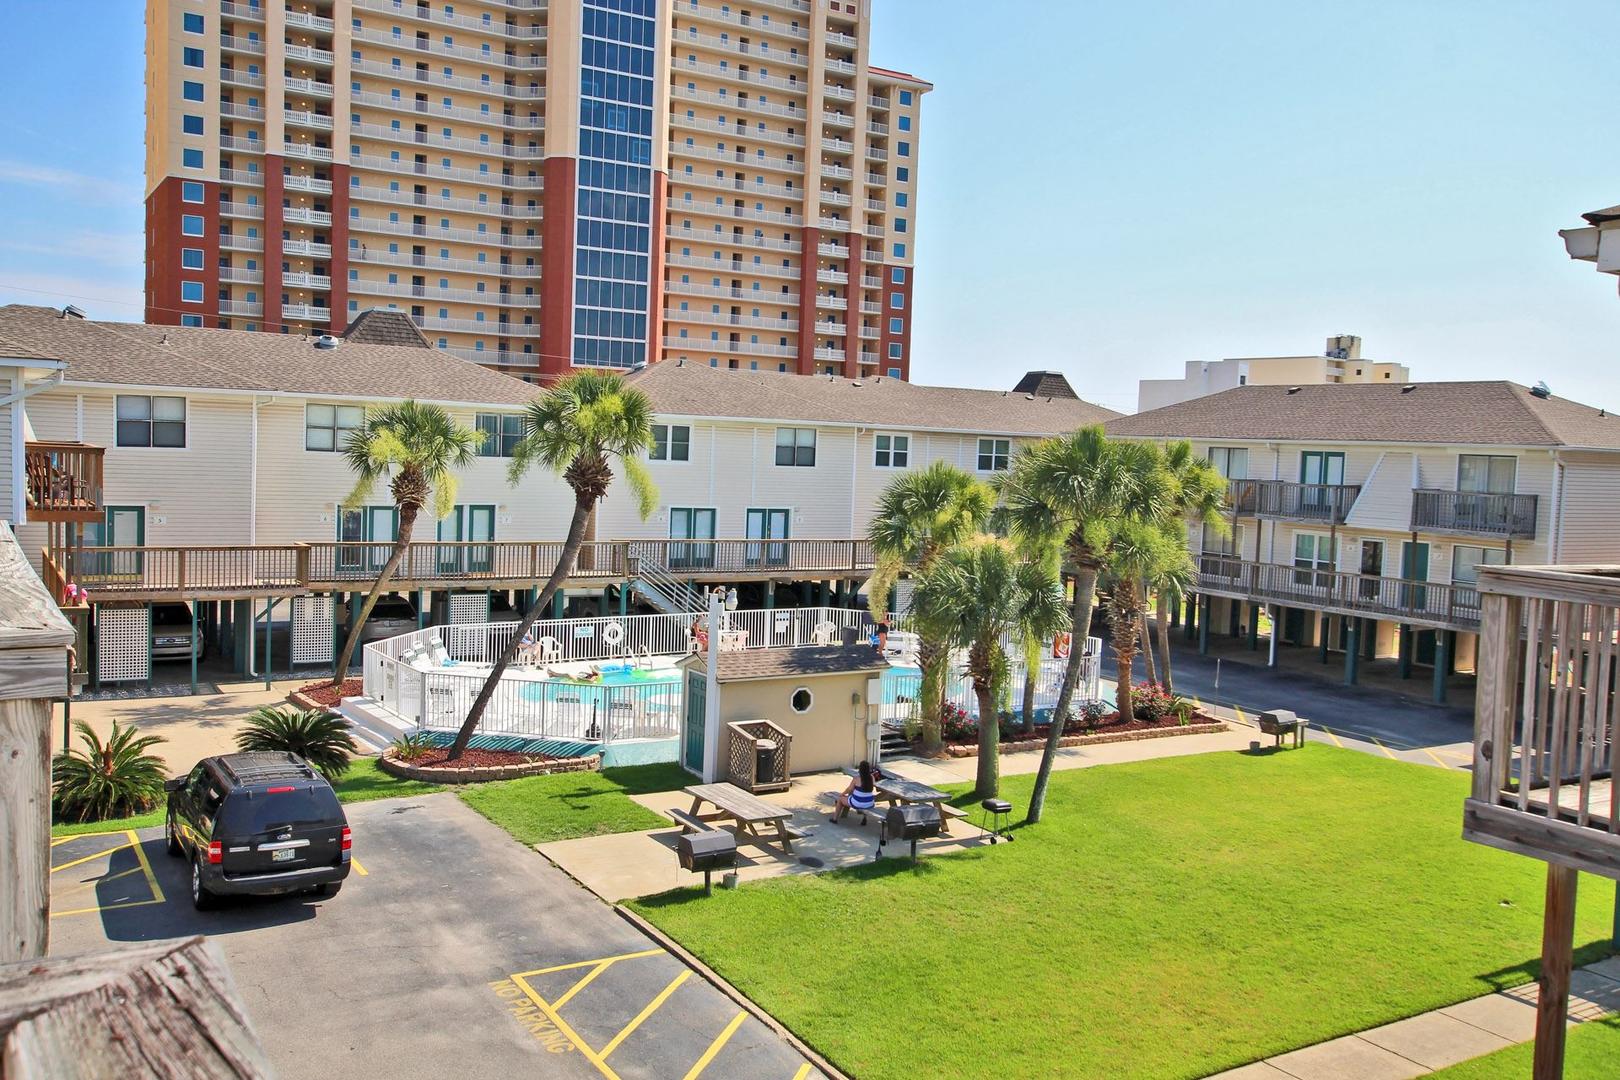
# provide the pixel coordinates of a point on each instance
(903, 687)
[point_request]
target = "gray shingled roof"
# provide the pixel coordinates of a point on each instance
(378, 326)
(186, 357)
(1467, 413)
(691, 389)
(785, 663)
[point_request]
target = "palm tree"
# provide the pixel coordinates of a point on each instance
(918, 516)
(975, 594)
(418, 447)
(1138, 551)
(1068, 494)
(1199, 497)
(577, 428)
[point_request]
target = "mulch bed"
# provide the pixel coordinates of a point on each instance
(476, 759)
(1108, 725)
(324, 693)
(1110, 729)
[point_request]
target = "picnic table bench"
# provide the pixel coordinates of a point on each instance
(745, 812)
(898, 791)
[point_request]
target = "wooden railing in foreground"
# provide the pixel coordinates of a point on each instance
(113, 572)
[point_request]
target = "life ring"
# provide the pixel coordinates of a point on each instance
(1060, 645)
(613, 634)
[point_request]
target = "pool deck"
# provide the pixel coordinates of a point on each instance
(624, 865)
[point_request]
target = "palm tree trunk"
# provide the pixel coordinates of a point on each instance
(1161, 615)
(1085, 589)
(565, 563)
(933, 661)
(1146, 639)
(988, 779)
(1032, 672)
(351, 641)
(1124, 627)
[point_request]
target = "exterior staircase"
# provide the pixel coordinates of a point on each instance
(658, 587)
(373, 728)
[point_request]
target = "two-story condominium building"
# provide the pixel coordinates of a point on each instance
(538, 185)
(1360, 513)
(200, 466)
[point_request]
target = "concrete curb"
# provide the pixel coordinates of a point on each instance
(477, 774)
(1026, 746)
(713, 978)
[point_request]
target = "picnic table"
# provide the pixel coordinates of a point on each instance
(897, 790)
(745, 811)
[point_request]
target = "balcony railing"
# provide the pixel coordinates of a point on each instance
(63, 481)
(1422, 602)
(124, 573)
(1476, 513)
(1328, 503)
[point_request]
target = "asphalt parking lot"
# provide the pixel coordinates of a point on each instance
(452, 950)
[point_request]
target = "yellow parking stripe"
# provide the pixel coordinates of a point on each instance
(357, 867)
(562, 1025)
(88, 858)
(591, 963)
(94, 881)
(1387, 751)
(582, 984)
(1435, 756)
(804, 1071)
(715, 1047)
(151, 878)
(652, 1007)
(100, 908)
(1332, 736)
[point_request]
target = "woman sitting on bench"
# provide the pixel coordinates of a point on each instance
(860, 795)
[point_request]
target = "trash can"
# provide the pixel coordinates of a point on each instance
(764, 751)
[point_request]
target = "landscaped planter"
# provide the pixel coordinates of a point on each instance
(1201, 726)
(390, 763)
(313, 695)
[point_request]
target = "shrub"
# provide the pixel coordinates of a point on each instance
(1149, 702)
(913, 727)
(955, 725)
(1092, 713)
(1183, 708)
(413, 746)
(317, 736)
(106, 780)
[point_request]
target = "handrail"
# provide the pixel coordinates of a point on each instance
(63, 480)
(1371, 594)
(1479, 512)
(1293, 501)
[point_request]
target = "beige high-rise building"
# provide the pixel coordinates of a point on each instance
(541, 184)
(1340, 362)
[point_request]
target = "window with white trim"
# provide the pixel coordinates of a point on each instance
(1466, 559)
(502, 432)
(994, 454)
(326, 426)
(671, 442)
(891, 451)
(796, 446)
(151, 421)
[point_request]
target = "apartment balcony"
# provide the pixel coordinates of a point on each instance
(62, 481)
(236, 143)
(308, 54)
(738, 130)
(877, 206)
(300, 280)
(837, 146)
(746, 159)
(245, 12)
(1472, 513)
(250, 177)
(877, 127)
(456, 82)
(840, 67)
(733, 213)
(312, 184)
(871, 333)
(443, 142)
(832, 251)
(735, 102)
(838, 93)
(306, 313)
(1416, 603)
(422, 13)
(752, 296)
(435, 293)
(752, 50)
(241, 307)
(306, 151)
(231, 242)
(525, 62)
(878, 102)
(837, 172)
(832, 277)
(831, 329)
(310, 249)
(438, 235)
(733, 239)
(241, 112)
(877, 153)
(870, 358)
(392, 197)
(871, 283)
(836, 198)
(309, 87)
(837, 119)
(250, 211)
(720, 318)
(878, 179)
(824, 352)
(1328, 504)
(301, 118)
(237, 275)
(870, 308)
(243, 46)
(438, 111)
(725, 183)
(733, 266)
(726, 71)
(443, 172)
(496, 328)
(800, 6)
(304, 20)
(735, 348)
(303, 215)
(832, 303)
(876, 231)
(840, 39)
(496, 357)
(383, 257)
(231, 77)
(728, 17)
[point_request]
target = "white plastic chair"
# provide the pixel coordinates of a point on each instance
(825, 633)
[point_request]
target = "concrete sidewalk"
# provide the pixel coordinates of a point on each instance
(1434, 1040)
(623, 865)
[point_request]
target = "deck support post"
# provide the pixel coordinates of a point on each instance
(149, 666)
(269, 651)
(558, 604)
(1442, 663)
(624, 599)
(770, 595)
(1324, 623)
(607, 600)
(1404, 651)
(1352, 651)
(1192, 617)
(1233, 618)
(194, 643)
(1254, 627)
(421, 608)
(1557, 947)
(1276, 632)
(1203, 628)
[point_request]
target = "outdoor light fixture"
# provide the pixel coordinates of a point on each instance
(731, 599)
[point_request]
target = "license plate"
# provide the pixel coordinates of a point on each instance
(284, 855)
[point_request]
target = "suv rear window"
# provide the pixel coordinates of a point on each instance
(171, 615)
(251, 810)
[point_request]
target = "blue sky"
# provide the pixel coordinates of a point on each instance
(1108, 189)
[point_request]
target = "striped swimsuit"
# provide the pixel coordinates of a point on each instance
(862, 800)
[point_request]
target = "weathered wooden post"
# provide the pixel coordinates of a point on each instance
(34, 640)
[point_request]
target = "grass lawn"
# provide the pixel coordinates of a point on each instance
(362, 783)
(1168, 919)
(539, 809)
(1591, 1052)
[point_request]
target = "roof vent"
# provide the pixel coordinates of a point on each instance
(681, 362)
(1408, 388)
(855, 382)
(1031, 397)
(326, 341)
(1293, 389)
(639, 365)
(1541, 390)
(71, 312)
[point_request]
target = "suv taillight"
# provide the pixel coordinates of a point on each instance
(216, 852)
(348, 838)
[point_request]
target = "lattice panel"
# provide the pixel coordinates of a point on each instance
(469, 607)
(123, 643)
(312, 630)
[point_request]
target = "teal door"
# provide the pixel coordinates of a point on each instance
(697, 687)
(466, 525)
(480, 532)
(691, 523)
(373, 526)
(1415, 567)
(124, 527)
(768, 524)
(1321, 471)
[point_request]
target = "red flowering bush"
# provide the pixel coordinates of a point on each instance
(1149, 701)
(955, 725)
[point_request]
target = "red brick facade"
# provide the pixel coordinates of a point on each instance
(164, 273)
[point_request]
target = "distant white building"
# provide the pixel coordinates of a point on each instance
(1340, 362)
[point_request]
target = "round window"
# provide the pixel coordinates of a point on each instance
(801, 700)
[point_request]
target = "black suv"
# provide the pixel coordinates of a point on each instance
(257, 824)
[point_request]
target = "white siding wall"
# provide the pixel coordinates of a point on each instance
(11, 469)
(1589, 502)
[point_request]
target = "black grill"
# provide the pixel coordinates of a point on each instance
(916, 822)
(706, 851)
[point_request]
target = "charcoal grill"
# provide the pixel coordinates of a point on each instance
(706, 851)
(918, 821)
